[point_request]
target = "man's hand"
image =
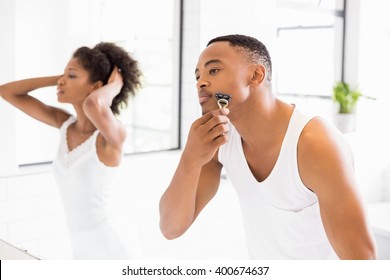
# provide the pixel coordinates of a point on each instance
(206, 135)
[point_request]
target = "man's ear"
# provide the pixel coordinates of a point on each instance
(258, 74)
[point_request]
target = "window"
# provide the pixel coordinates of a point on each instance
(149, 29)
(309, 47)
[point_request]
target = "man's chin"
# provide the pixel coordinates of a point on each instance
(206, 109)
(204, 112)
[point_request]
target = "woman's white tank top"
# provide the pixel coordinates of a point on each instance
(281, 216)
(83, 181)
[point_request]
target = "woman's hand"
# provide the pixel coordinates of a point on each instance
(106, 93)
(116, 80)
(97, 108)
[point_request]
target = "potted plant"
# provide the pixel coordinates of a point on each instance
(346, 100)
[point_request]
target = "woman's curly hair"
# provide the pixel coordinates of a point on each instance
(100, 62)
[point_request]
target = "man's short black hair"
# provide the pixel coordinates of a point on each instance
(253, 50)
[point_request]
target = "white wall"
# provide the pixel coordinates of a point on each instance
(373, 137)
(31, 214)
(7, 70)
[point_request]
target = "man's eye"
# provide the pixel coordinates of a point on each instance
(197, 78)
(214, 71)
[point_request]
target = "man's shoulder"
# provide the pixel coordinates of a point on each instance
(318, 128)
(320, 138)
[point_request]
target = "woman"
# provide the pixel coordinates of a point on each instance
(98, 83)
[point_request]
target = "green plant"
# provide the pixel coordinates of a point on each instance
(346, 98)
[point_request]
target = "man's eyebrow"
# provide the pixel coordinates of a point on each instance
(211, 61)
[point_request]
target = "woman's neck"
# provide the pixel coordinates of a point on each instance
(83, 124)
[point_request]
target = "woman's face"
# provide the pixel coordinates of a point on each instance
(74, 85)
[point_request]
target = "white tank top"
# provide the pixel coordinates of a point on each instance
(281, 216)
(83, 181)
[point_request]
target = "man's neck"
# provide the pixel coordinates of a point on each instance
(260, 120)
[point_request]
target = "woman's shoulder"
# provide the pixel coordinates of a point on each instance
(66, 120)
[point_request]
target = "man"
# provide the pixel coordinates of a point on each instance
(293, 173)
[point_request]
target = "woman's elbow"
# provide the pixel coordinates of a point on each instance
(90, 102)
(93, 105)
(3, 93)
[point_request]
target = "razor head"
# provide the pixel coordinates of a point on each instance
(223, 99)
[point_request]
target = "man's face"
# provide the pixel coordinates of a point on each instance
(221, 68)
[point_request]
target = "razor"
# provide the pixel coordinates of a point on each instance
(223, 99)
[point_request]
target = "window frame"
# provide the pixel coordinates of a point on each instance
(337, 13)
